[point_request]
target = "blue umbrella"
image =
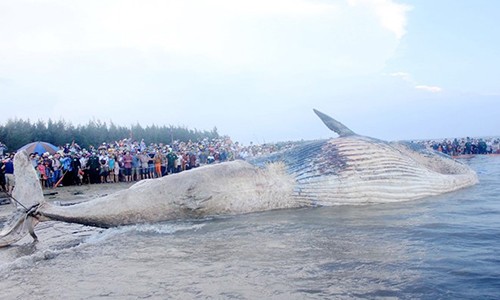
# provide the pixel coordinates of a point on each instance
(40, 147)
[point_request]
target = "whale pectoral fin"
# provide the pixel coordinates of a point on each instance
(17, 228)
(334, 125)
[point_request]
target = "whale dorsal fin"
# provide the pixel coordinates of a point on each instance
(334, 125)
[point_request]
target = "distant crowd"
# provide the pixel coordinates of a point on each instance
(465, 146)
(125, 160)
(130, 160)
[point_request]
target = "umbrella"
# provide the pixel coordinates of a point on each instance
(40, 147)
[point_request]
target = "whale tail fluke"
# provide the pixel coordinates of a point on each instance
(27, 195)
(17, 227)
(334, 125)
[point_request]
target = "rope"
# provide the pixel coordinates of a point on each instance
(28, 210)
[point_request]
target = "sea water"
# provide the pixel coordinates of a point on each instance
(445, 247)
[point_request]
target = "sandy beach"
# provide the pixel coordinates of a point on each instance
(85, 192)
(67, 195)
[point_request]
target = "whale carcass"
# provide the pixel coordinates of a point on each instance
(349, 169)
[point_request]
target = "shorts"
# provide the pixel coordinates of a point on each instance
(10, 179)
(128, 171)
(135, 171)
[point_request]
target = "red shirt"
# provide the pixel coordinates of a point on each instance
(127, 161)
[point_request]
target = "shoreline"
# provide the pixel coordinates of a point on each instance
(473, 155)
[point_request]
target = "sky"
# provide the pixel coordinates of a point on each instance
(394, 70)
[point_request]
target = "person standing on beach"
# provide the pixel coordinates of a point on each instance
(127, 165)
(75, 169)
(192, 161)
(468, 146)
(84, 171)
(171, 157)
(151, 165)
(94, 165)
(116, 174)
(41, 174)
(2, 176)
(136, 167)
(158, 160)
(144, 158)
(111, 168)
(104, 168)
(56, 168)
(10, 179)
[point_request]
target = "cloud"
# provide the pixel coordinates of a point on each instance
(427, 88)
(391, 15)
(403, 75)
(407, 77)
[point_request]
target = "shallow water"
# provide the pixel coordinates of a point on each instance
(444, 247)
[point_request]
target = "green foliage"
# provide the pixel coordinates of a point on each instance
(18, 132)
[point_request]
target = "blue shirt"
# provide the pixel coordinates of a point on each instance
(9, 167)
(136, 163)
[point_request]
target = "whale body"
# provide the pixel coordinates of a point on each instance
(349, 169)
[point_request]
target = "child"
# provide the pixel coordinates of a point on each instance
(41, 172)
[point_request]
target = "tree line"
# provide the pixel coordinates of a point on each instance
(16, 133)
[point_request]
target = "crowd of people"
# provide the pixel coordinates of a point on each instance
(465, 146)
(130, 160)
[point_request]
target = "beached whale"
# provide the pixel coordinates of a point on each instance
(349, 169)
